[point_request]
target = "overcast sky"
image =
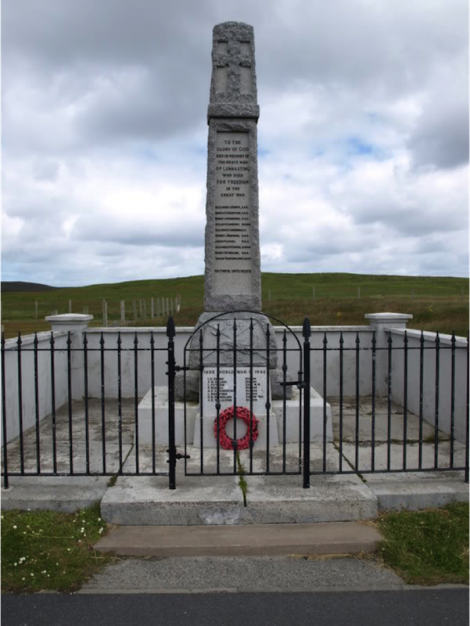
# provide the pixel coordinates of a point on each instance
(363, 136)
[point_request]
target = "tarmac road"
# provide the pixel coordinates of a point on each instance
(427, 607)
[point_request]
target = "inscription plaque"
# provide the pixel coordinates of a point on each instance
(226, 389)
(232, 239)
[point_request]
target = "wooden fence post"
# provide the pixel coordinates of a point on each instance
(105, 313)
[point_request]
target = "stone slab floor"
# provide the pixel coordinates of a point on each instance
(340, 455)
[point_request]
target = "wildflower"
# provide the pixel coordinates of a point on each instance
(68, 549)
(101, 530)
(16, 564)
(31, 574)
(15, 527)
(23, 578)
(44, 571)
(99, 519)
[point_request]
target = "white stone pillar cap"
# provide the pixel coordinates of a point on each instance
(69, 318)
(388, 317)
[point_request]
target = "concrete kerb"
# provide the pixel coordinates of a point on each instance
(197, 500)
(56, 493)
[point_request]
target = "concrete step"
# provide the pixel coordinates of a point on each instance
(255, 540)
(218, 501)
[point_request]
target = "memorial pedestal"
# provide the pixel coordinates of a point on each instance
(161, 418)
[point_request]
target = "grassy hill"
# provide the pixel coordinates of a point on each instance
(437, 303)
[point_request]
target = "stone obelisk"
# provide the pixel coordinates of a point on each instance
(232, 254)
(232, 290)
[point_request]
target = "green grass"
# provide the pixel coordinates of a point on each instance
(437, 302)
(427, 547)
(48, 550)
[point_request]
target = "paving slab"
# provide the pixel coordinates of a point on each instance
(242, 574)
(330, 498)
(259, 540)
(416, 491)
(58, 493)
(147, 500)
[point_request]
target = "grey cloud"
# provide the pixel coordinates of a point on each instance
(440, 138)
(139, 232)
(88, 82)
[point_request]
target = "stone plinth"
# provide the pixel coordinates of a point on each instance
(209, 324)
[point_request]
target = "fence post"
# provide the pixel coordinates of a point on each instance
(152, 310)
(467, 443)
(306, 332)
(4, 419)
(314, 293)
(105, 313)
(36, 309)
(123, 313)
(170, 333)
(70, 306)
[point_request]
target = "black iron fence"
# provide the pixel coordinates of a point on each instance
(398, 403)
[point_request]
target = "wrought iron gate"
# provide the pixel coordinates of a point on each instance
(232, 366)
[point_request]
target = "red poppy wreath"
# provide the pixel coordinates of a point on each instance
(244, 442)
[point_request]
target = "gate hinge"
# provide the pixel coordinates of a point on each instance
(181, 368)
(298, 383)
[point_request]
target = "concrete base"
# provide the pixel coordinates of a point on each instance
(193, 423)
(57, 493)
(210, 440)
(161, 418)
(147, 501)
(416, 491)
(292, 417)
(329, 499)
